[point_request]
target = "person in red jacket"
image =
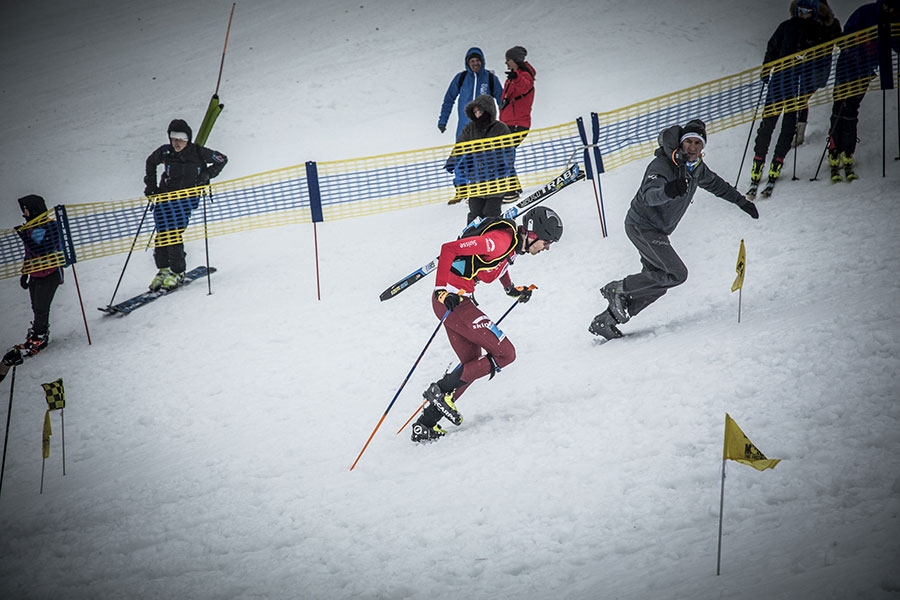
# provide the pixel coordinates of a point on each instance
(482, 254)
(518, 91)
(517, 100)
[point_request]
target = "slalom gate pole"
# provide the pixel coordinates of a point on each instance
(400, 389)
(81, 303)
(721, 509)
(750, 134)
(421, 406)
(130, 251)
(224, 48)
(12, 387)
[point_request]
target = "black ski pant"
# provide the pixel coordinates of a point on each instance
(785, 136)
(844, 119)
(663, 269)
(484, 206)
(42, 290)
(172, 256)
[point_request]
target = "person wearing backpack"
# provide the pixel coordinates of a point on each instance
(467, 85)
(482, 254)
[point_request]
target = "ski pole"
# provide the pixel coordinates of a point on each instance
(12, 386)
(127, 258)
(750, 134)
(421, 406)
(834, 122)
(400, 389)
(206, 242)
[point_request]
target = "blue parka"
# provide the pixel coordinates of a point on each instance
(473, 85)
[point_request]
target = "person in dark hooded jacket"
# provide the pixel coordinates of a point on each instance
(467, 85)
(185, 165)
(802, 31)
(42, 270)
(482, 166)
(670, 182)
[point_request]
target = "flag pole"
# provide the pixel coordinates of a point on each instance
(740, 297)
(721, 509)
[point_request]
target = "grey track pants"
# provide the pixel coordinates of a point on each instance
(663, 268)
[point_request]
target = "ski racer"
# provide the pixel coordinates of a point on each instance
(482, 254)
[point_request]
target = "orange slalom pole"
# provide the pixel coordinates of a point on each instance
(400, 389)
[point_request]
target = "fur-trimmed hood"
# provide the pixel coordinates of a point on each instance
(486, 103)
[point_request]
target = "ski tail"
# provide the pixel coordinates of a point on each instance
(568, 177)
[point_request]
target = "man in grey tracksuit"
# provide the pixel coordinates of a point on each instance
(668, 188)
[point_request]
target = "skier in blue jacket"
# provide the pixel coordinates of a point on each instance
(468, 85)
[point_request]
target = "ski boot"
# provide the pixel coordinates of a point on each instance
(160, 278)
(34, 343)
(172, 281)
(756, 170)
(443, 401)
(774, 174)
(424, 433)
(834, 161)
(849, 174)
(604, 325)
(618, 302)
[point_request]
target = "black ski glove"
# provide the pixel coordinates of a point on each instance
(449, 300)
(442, 127)
(677, 187)
(12, 358)
(749, 208)
(23, 282)
(511, 75)
(203, 178)
(151, 190)
(519, 291)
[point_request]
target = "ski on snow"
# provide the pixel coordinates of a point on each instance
(127, 306)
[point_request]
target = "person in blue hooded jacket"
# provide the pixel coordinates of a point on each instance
(667, 190)
(467, 85)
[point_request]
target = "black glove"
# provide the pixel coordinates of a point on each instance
(12, 358)
(519, 291)
(203, 178)
(511, 74)
(442, 127)
(151, 190)
(749, 208)
(23, 282)
(449, 300)
(677, 187)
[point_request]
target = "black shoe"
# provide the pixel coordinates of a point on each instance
(443, 401)
(604, 325)
(615, 295)
(423, 433)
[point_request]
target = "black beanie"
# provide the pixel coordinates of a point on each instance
(517, 54)
(694, 128)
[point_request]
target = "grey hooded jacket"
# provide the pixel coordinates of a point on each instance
(652, 209)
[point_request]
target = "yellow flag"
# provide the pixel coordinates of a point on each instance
(740, 449)
(741, 263)
(55, 394)
(47, 432)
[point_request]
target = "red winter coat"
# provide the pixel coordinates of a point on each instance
(518, 96)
